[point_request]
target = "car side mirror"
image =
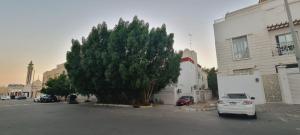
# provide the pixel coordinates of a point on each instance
(252, 98)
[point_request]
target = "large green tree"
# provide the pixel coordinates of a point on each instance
(212, 81)
(126, 64)
(73, 66)
(59, 86)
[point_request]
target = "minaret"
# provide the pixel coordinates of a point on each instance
(29, 73)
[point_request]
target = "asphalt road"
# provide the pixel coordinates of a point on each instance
(27, 118)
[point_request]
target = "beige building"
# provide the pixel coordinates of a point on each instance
(4, 91)
(15, 89)
(257, 38)
(36, 88)
(60, 69)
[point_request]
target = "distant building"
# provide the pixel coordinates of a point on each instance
(4, 91)
(29, 73)
(54, 73)
(15, 89)
(30, 89)
(27, 90)
(36, 88)
(192, 81)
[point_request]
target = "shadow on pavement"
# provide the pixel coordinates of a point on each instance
(237, 117)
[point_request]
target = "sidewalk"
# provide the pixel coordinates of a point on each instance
(206, 106)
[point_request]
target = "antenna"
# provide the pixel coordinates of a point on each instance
(190, 38)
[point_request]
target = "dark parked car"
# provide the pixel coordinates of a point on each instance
(185, 100)
(48, 98)
(20, 97)
(12, 97)
(72, 99)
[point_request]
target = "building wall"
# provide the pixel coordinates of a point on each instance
(187, 53)
(36, 88)
(60, 69)
(252, 22)
(289, 83)
(202, 78)
(187, 79)
(4, 91)
(15, 89)
(250, 84)
(294, 79)
(192, 78)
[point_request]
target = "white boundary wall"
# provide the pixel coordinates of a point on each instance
(252, 85)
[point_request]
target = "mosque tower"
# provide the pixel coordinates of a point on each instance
(29, 73)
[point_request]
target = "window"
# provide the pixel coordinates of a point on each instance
(237, 96)
(240, 48)
(285, 44)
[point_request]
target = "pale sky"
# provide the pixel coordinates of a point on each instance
(41, 30)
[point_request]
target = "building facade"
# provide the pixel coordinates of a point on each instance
(257, 38)
(4, 91)
(54, 73)
(192, 81)
(36, 88)
(15, 89)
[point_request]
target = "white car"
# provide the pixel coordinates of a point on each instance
(237, 103)
(37, 99)
(5, 98)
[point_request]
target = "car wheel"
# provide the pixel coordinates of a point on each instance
(254, 116)
(220, 114)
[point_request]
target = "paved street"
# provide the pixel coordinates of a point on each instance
(25, 117)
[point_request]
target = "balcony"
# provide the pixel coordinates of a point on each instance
(284, 48)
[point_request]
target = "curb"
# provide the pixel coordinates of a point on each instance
(198, 109)
(150, 106)
(123, 106)
(115, 105)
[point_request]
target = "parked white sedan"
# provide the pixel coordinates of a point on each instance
(5, 97)
(237, 103)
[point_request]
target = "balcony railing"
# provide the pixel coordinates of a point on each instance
(285, 48)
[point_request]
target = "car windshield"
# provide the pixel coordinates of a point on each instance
(185, 97)
(237, 96)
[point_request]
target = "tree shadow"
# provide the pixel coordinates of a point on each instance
(237, 117)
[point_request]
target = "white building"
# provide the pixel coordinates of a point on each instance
(256, 40)
(15, 89)
(36, 88)
(191, 82)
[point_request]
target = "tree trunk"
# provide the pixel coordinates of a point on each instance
(148, 92)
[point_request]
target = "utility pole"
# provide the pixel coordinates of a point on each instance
(190, 38)
(293, 32)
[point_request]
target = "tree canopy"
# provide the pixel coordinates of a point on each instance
(212, 81)
(126, 64)
(59, 86)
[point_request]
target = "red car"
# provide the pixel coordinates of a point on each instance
(185, 100)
